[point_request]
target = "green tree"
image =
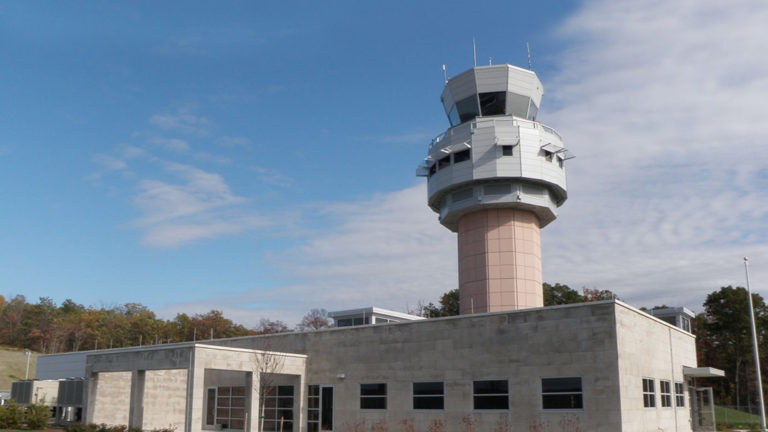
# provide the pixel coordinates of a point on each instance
(724, 341)
(448, 306)
(559, 294)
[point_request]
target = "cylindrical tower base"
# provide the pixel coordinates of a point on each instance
(499, 261)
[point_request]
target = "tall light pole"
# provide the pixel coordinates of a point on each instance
(754, 347)
(28, 354)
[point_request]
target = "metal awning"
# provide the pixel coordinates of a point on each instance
(703, 372)
(552, 148)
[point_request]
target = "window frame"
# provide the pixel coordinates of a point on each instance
(415, 396)
(665, 396)
(649, 393)
(373, 397)
(580, 393)
(476, 395)
(679, 394)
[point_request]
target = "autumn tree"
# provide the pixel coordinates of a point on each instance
(268, 326)
(315, 319)
(594, 294)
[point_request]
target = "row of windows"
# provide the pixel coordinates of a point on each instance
(465, 155)
(665, 393)
(492, 104)
(556, 394)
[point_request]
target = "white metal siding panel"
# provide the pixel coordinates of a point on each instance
(463, 85)
(491, 79)
(60, 366)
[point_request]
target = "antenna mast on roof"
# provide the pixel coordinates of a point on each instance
(530, 62)
(445, 75)
(474, 51)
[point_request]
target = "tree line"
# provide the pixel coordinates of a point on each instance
(50, 328)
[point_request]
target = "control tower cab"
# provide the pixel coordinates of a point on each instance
(495, 177)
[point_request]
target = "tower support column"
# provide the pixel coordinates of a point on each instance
(499, 261)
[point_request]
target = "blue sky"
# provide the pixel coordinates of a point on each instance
(258, 157)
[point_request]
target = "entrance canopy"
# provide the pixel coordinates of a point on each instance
(703, 372)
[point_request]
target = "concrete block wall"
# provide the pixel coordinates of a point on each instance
(112, 398)
(165, 399)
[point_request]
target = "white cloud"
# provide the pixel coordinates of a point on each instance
(182, 120)
(200, 206)
(663, 103)
(173, 144)
(234, 141)
(273, 177)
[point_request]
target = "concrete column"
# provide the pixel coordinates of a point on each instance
(89, 398)
(253, 380)
(136, 412)
(499, 261)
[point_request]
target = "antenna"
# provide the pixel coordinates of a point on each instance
(474, 51)
(490, 61)
(445, 75)
(530, 62)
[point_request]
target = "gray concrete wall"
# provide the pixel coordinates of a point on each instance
(650, 348)
(111, 398)
(521, 346)
(165, 399)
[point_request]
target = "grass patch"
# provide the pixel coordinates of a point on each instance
(733, 418)
(13, 362)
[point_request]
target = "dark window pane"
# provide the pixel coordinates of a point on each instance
(270, 402)
(314, 402)
(493, 103)
(373, 403)
(326, 422)
(313, 427)
(285, 391)
(432, 402)
(428, 388)
(467, 108)
(373, 389)
(507, 150)
(444, 162)
(224, 391)
(285, 402)
(236, 424)
(490, 387)
(313, 415)
(491, 402)
(314, 390)
(433, 169)
(238, 391)
(562, 401)
(284, 414)
(561, 385)
(461, 156)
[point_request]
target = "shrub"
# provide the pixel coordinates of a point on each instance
(37, 416)
(11, 416)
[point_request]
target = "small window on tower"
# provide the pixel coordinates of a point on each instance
(493, 103)
(444, 162)
(432, 169)
(461, 156)
(507, 150)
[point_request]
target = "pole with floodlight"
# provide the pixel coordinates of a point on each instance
(754, 347)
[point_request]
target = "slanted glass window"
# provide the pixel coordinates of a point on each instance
(490, 394)
(649, 393)
(428, 395)
(665, 388)
(210, 406)
(507, 150)
(453, 116)
(348, 322)
(533, 111)
(561, 393)
(462, 156)
(493, 103)
(467, 108)
(278, 408)
(373, 396)
(685, 324)
(679, 394)
(444, 162)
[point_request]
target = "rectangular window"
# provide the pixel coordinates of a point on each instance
(491, 394)
(561, 393)
(462, 156)
(230, 407)
(679, 394)
(428, 395)
(313, 408)
(278, 408)
(444, 162)
(373, 396)
(665, 388)
(210, 407)
(649, 393)
(432, 169)
(493, 103)
(507, 150)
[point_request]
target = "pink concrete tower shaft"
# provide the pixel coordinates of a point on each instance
(499, 261)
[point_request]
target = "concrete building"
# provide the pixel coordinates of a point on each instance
(504, 364)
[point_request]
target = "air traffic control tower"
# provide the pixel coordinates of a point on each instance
(496, 177)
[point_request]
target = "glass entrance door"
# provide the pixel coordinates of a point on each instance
(320, 408)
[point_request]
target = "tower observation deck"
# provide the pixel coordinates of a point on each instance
(495, 177)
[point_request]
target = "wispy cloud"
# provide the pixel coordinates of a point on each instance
(273, 177)
(663, 105)
(199, 206)
(234, 141)
(181, 120)
(173, 144)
